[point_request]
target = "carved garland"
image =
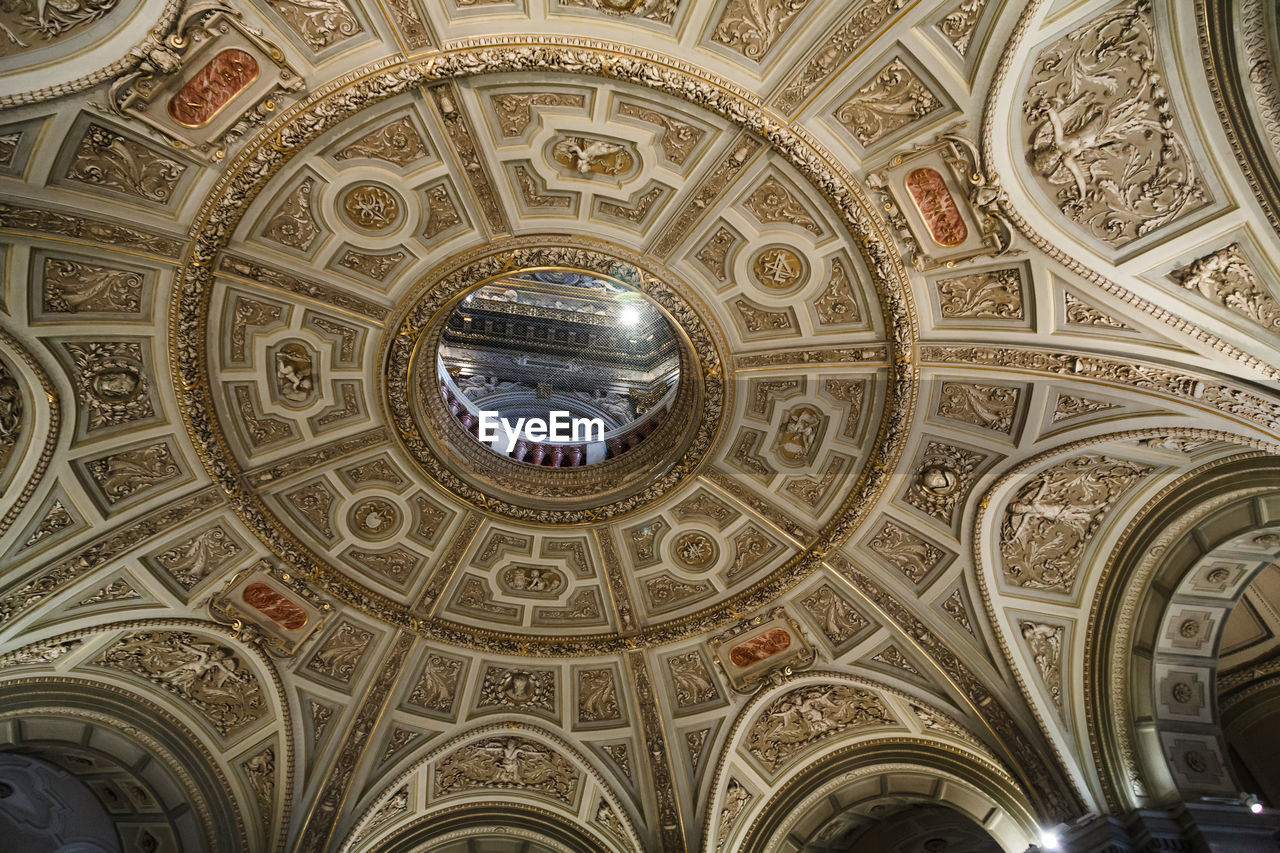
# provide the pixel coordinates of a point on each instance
(994, 133)
(275, 145)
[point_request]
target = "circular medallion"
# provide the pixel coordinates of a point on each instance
(938, 481)
(695, 550)
(371, 207)
(779, 269)
(374, 518)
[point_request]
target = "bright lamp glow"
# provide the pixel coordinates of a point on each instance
(629, 315)
(1252, 802)
(1050, 840)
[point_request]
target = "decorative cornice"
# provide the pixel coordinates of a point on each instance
(1217, 23)
(45, 454)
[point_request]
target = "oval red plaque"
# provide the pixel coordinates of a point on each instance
(275, 606)
(758, 648)
(210, 88)
(937, 208)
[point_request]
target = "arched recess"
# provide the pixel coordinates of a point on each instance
(154, 774)
(1250, 718)
(497, 782)
(501, 828)
(1156, 618)
(44, 807)
(821, 735)
(154, 702)
(828, 796)
(1043, 532)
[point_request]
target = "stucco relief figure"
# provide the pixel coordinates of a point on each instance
(799, 434)
(511, 762)
(532, 579)
(596, 156)
(34, 23)
(274, 605)
(205, 673)
(10, 413)
(808, 713)
(295, 377)
(518, 687)
(212, 87)
(934, 203)
(759, 648)
(1101, 128)
(1049, 519)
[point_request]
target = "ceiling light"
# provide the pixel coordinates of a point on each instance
(629, 315)
(1251, 800)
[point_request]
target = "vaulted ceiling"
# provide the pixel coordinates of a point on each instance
(974, 294)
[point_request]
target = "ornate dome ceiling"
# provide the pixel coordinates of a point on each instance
(963, 299)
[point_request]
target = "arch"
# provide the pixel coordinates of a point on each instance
(1162, 561)
(885, 769)
(24, 383)
(517, 822)
(525, 767)
(140, 708)
(118, 722)
(890, 728)
(1092, 515)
